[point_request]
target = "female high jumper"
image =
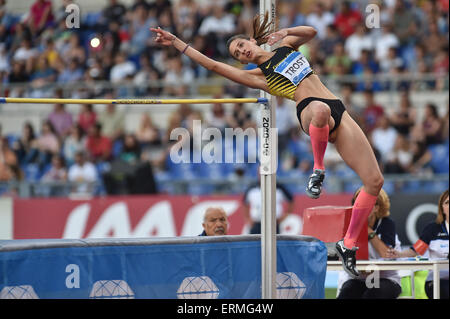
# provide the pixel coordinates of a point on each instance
(286, 72)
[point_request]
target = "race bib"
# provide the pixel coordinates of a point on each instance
(295, 67)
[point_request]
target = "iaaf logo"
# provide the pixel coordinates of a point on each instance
(158, 220)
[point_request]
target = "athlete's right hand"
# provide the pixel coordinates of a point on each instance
(163, 37)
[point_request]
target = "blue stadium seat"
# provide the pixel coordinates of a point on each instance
(213, 170)
(117, 148)
(92, 18)
(433, 187)
(439, 158)
(32, 172)
(389, 187)
(161, 179)
(11, 138)
(412, 187)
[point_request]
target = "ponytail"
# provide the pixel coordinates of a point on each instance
(260, 30)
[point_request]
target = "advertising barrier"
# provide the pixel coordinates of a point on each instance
(170, 216)
(172, 268)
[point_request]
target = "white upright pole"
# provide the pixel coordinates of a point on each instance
(268, 167)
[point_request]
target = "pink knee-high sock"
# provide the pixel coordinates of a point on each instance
(361, 210)
(319, 142)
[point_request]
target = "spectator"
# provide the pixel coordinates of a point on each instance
(383, 137)
(146, 75)
(18, 73)
(400, 160)
(357, 42)
(177, 77)
(140, 28)
(26, 147)
(186, 18)
(74, 143)
(8, 161)
(41, 16)
(112, 121)
(285, 116)
(421, 154)
(73, 50)
(391, 62)
(26, 54)
(217, 28)
(114, 11)
(48, 144)
(161, 6)
(331, 39)
(252, 206)
(51, 53)
(419, 57)
(87, 117)
(440, 68)
(365, 62)
(239, 117)
(445, 126)
(215, 222)
(61, 121)
(83, 173)
(403, 22)
(143, 180)
(432, 125)
(147, 133)
(57, 171)
(372, 111)
(339, 63)
(347, 19)
(72, 73)
(385, 41)
(382, 235)
(217, 117)
(131, 150)
(353, 109)
(122, 68)
(43, 76)
(404, 118)
(433, 241)
(22, 33)
(320, 19)
(4, 61)
(99, 146)
(289, 13)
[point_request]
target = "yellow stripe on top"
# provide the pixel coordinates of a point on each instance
(278, 84)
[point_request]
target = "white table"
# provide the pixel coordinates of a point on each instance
(413, 265)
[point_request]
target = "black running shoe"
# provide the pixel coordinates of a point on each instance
(348, 258)
(314, 187)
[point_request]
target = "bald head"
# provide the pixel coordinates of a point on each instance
(215, 222)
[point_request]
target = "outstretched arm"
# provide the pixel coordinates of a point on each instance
(237, 75)
(293, 37)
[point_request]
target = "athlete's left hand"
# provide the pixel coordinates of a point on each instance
(276, 36)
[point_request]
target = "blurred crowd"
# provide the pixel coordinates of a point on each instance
(38, 49)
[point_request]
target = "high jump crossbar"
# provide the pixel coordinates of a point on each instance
(4, 100)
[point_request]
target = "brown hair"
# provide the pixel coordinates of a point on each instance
(383, 202)
(260, 30)
(440, 217)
